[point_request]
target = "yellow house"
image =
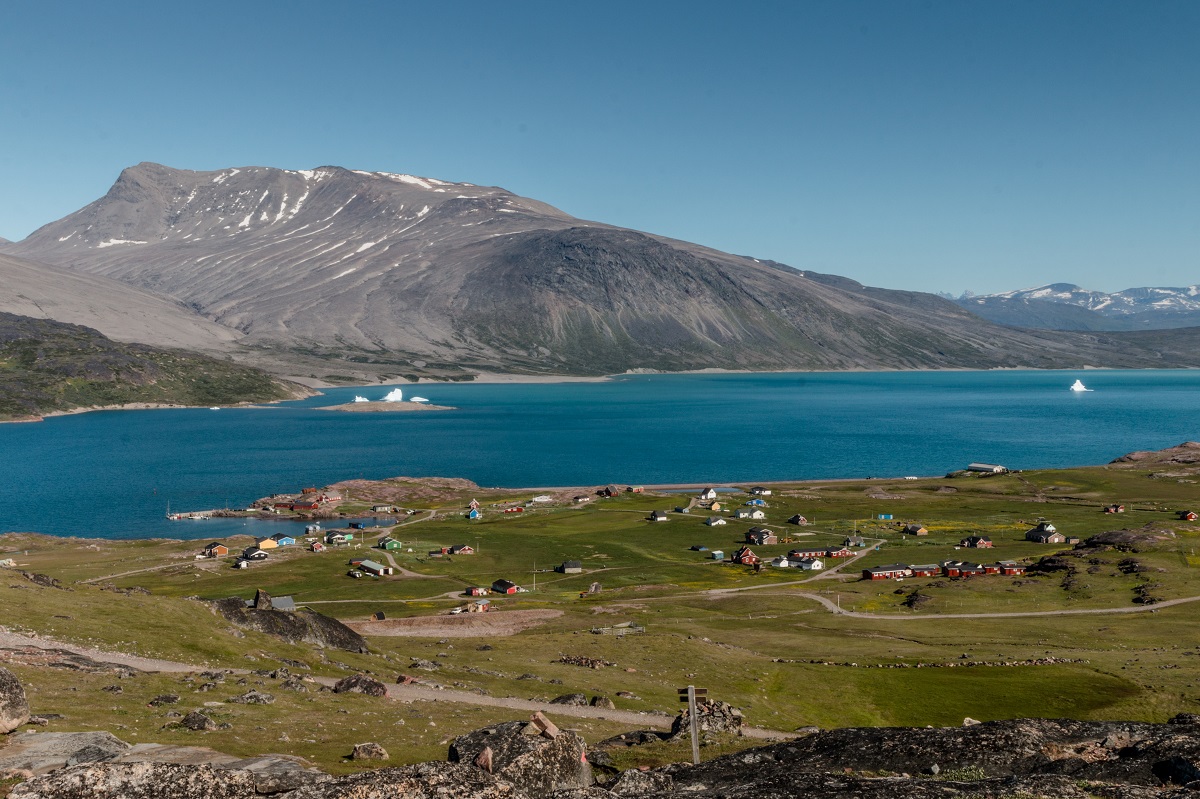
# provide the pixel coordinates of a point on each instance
(266, 543)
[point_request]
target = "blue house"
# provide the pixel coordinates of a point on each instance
(474, 513)
(283, 539)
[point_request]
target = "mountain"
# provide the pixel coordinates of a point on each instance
(1065, 306)
(119, 311)
(416, 274)
(52, 366)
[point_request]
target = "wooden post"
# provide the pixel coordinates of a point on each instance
(695, 725)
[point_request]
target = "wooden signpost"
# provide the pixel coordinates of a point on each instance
(689, 695)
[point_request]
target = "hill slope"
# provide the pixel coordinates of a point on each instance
(416, 272)
(50, 366)
(119, 311)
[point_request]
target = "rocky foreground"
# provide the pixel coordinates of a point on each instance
(536, 760)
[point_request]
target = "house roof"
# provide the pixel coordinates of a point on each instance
(283, 603)
(572, 564)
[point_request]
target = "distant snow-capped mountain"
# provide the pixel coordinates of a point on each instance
(1065, 306)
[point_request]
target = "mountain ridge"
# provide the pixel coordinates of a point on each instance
(1066, 306)
(408, 273)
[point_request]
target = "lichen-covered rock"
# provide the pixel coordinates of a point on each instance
(369, 751)
(360, 684)
(138, 781)
(422, 781)
(602, 702)
(534, 764)
(164, 699)
(198, 722)
(635, 783)
(14, 708)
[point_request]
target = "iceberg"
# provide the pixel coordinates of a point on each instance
(418, 399)
(395, 395)
(360, 399)
(1079, 386)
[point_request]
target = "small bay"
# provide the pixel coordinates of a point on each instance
(111, 474)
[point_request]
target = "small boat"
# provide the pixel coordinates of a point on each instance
(1079, 386)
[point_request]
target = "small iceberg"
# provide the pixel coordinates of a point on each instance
(395, 395)
(1079, 386)
(361, 399)
(418, 399)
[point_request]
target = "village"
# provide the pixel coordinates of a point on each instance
(758, 548)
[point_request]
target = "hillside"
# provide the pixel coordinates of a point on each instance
(50, 366)
(418, 275)
(117, 310)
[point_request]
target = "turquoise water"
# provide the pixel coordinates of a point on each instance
(111, 474)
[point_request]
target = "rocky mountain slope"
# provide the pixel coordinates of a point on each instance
(421, 273)
(1065, 306)
(51, 366)
(118, 310)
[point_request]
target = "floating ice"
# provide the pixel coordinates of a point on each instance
(395, 395)
(361, 399)
(418, 399)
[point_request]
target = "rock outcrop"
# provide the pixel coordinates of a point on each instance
(302, 626)
(534, 760)
(14, 708)
(139, 781)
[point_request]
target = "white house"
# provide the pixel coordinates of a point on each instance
(708, 493)
(713, 521)
(809, 564)
(749, 513)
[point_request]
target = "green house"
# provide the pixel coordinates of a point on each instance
(387, 542)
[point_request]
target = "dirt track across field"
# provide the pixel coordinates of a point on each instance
(465, 625)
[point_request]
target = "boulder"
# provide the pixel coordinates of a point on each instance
(360, 684)
(636, 783)
(138, 781)
(713, 718)
(369, 751)
(164, 699)
(14, 709)
(198, 722)
(253, 698)
(574, 700)
(602, 702)
(534, 764)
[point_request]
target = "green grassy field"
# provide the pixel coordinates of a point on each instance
(755, 639)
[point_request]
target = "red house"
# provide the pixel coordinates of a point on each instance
(504, 587)
(461, 549)
(746, 557)
(896, 570)
(838, 552)
(806, 554)
(476, 590)
(1011, 568)
(926, 570)
(1187, 515)
(976, 542)
(306, 504)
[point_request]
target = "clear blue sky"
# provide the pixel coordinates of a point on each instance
(924, 145)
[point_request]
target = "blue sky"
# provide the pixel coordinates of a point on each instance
(921, 145)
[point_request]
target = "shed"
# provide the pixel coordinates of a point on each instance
(915, 529)
(798, 519)
(658, 516)
(1187, 515)
(570, 567)
(378, 569)
(717, 555)
(987, 468)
